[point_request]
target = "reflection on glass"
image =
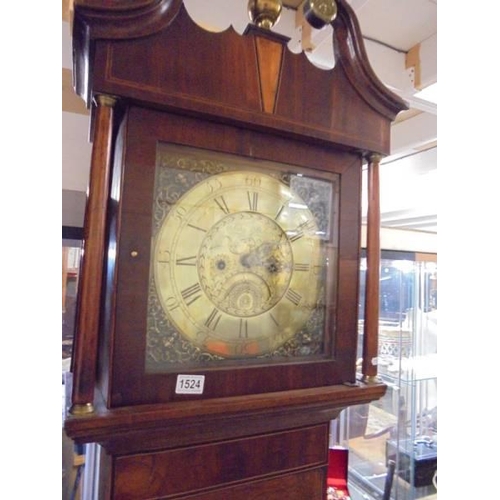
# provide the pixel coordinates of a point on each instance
(70, 268)
(241, 253)
(393, 442)
(73, 455)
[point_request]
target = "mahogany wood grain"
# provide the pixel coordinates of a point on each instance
(169, 439)
(347, 106)
(172, 425)
(351, 54)
(372, 299)
(295, 486)
(92, 265)
(142, 476)
(129, 384)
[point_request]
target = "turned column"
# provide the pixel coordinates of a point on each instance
(94, 244)
(370, 333)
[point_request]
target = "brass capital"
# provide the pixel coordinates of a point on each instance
(375, 158)
(105, 100)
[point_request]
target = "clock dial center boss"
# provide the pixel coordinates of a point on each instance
(244, 264)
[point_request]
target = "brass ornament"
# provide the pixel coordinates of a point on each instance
(371, 379)
(264, 13)
(105, 100)
(375, 158)
(319, 13)
(82, 409)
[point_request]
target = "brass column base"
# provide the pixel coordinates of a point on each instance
(371, 379)
(82, 409)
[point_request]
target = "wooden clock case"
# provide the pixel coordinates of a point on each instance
(151, 76)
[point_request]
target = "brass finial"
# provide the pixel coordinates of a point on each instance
(265, 13)
(319, 13)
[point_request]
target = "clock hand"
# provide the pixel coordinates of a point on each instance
(262, 256)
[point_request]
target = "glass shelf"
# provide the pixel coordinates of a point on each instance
(392, 442)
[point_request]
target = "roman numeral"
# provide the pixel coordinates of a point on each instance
(213, 320)
(221, 203)
(191, 292)
(275, 321)
(301, 229)
(278, 213)
(186, 261)
(243, 328)
(300, 267)
(293, 296)
(253, 200)
(198, 228)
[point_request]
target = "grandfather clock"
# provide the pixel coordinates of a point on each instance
(218, 303)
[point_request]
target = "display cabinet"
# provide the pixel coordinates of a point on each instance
(392, 442)
(71, 252)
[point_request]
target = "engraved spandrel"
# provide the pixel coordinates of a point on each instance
(174, 176)
(318, 195)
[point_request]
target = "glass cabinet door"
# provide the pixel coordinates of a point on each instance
(72, 455)
(392, 442)
(71, 252)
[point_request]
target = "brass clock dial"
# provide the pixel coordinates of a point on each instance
(236, 264)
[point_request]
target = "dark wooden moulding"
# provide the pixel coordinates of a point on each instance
(148, 71)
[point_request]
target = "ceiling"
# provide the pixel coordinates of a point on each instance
(401, 42)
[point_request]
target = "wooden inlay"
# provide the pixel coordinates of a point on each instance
(269, 57)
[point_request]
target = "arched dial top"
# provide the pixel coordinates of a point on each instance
(237, 264)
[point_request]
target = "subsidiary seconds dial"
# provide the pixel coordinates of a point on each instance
(237, 264)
